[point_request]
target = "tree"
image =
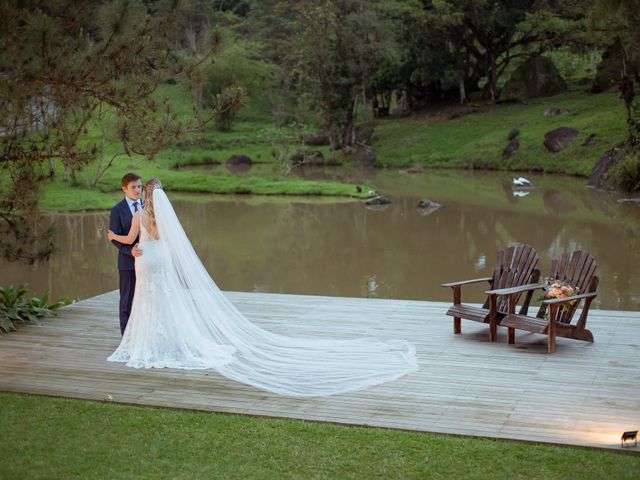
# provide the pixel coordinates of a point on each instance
(451, 48)
(62, 63)
(338, 46)
(430, 60)
(239, 71)
(629, 36)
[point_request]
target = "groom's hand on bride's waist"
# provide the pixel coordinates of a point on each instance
(136, 251)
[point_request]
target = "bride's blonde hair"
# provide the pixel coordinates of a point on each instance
(149, 187)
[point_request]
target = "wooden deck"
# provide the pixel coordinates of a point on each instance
(584, 394)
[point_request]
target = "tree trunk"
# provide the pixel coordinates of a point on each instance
(463, 94)
(348, 131)
(332, 142)
(198, 95)
(190, 36)
(493, 77)
(374, 106)
(403, 102)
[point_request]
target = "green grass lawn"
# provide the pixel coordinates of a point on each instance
(58, 196)
(45, 437)
(429, 139)
(476, 140)
(253, 135)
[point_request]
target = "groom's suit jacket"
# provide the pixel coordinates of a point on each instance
(120, 224)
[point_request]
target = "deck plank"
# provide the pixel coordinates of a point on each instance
(584, 394)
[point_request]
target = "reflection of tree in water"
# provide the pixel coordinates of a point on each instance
(83, 264)
(85, 252)
(615, 248)
(557, 203)
(507, 187)
(336, 249)
(330, 249)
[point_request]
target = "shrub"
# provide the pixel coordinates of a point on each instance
(15, 308)
(628, 172)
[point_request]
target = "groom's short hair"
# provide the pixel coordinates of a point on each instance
(130, 177)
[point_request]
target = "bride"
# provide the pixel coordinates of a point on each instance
(181, 319)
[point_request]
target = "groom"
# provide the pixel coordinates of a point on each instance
(120, 224)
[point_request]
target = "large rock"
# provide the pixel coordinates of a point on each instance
(238, 163)
(426, 203)
(598, 178)
(560, 138)
(427, 207)
(511, 148)
(378, 200)
(537, 77)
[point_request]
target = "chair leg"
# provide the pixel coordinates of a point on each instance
(552, 329)
(493, 329)
(512, 336)
(552, 342)
(585, 335)
(457, 299)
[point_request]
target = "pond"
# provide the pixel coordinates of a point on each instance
(344, 248)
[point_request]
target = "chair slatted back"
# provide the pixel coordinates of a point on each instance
(578, 269)
(514, 267)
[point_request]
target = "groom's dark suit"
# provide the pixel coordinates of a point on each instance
(120, 224)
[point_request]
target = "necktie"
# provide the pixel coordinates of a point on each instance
(135, 207)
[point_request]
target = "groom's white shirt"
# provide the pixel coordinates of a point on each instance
(130, 203)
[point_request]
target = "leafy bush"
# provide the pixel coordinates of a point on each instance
(628, 172)
(238, 74)
(15, 308)
(232, 100)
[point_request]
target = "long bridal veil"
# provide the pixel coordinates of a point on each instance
(284, 365)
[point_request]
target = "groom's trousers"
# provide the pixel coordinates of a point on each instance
(127, 287)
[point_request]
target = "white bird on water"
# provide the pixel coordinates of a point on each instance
(521, 182)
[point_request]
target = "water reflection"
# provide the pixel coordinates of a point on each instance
(346, 249)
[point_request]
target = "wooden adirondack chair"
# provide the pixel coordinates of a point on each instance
(514, 267)
(578, 269)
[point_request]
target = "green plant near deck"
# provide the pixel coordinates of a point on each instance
(15, 308)
(627, 172)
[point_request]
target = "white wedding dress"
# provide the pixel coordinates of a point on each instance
(181, 319)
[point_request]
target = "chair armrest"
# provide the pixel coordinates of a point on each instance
(556, 301)
(465, 282)
(509, 291)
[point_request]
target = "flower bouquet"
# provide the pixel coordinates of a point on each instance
(555, 288)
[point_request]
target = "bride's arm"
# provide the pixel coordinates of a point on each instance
(133, 231)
